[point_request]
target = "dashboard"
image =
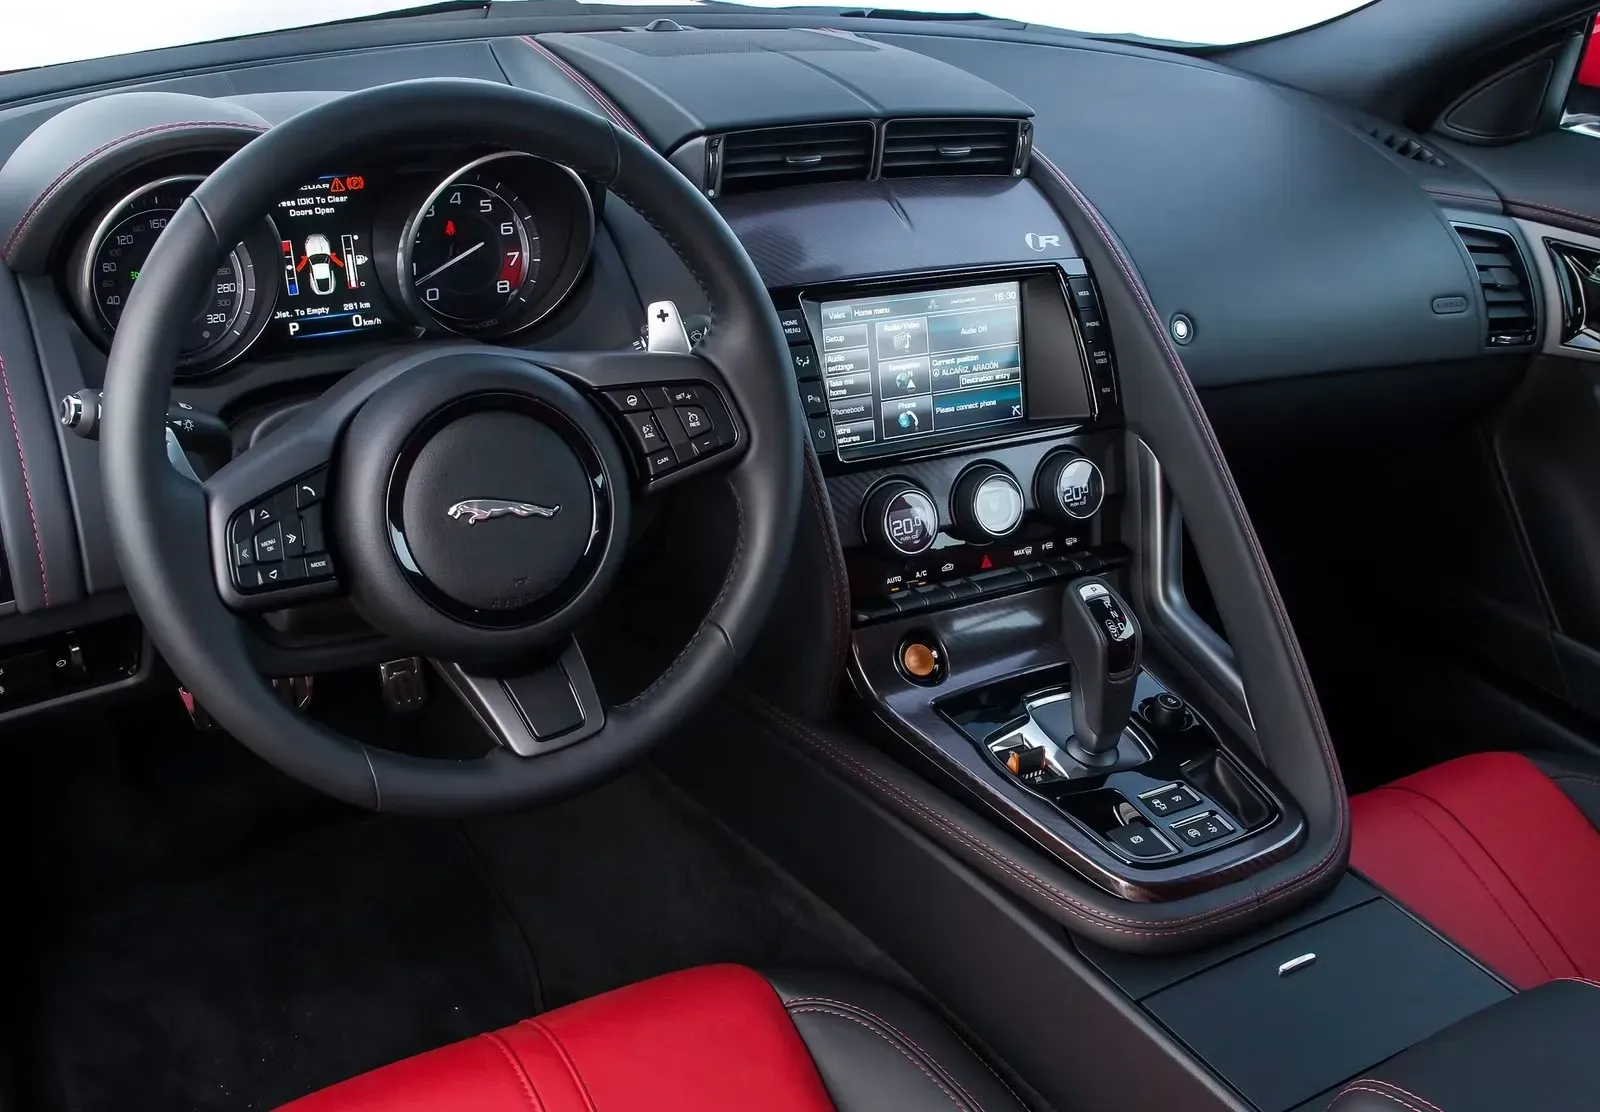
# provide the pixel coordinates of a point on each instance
(941, 316)
(485, 245)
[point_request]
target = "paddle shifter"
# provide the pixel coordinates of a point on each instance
(1102, 638)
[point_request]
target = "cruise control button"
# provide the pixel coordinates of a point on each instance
(695, 421)
(659, 463)
(805, 361)
(269, 544)
(647, 432)
(630, 400)
(319, 566)
(705, 445)
(683, 395)
(1201, 831)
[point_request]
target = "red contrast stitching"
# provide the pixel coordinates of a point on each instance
(1029, 879)
(33, 209)
(1586, 217)
(595, 92)
(27, 487)
(516, 1067)
(566, 1060)
(1389, 1091)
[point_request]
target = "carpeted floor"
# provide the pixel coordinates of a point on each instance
(210, 937)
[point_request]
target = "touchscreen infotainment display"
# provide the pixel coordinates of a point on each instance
(920, 364)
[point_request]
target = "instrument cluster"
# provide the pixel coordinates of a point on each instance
(487, 249)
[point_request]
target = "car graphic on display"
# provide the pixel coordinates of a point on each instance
(319, 260)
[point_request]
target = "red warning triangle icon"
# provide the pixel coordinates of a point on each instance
(337, 186)
(986, 565)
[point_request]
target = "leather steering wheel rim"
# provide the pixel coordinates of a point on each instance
(158, 519)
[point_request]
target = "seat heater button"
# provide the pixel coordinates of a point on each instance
(1139, 840)
(1202, 830)
(1171, 800)
(648, 434)
(269, 544)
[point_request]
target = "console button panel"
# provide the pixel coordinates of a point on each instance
(280, 540)
(671, 426)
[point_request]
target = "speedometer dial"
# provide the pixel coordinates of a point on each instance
(117, 254)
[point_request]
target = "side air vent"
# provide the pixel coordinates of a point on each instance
(1404, 145)
(914, 148)
(1507, 298)
(773, 157)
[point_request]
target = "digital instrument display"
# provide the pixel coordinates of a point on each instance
(328, 277)
(920, 364)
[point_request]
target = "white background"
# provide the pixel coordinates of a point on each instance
(42, 32)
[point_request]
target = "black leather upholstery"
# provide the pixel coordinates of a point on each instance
(1578, 776)
(877, 1049)
(1533, 1051)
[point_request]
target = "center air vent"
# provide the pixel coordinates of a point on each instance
(913, 148)
(778, 156)
(1507, 300)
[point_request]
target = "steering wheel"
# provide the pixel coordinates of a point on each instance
(476, 502)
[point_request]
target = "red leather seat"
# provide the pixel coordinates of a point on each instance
(1498, 853)
(716, 1039)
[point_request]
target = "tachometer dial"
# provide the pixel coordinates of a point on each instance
(471, 258)
(117, 253)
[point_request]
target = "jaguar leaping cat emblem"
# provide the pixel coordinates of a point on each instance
(474, 510)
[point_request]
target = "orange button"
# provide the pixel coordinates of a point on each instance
(919, 660)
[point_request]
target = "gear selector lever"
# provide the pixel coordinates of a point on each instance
(1103, 639)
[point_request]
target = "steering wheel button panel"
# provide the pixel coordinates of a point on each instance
(672, 425)
(274, 545)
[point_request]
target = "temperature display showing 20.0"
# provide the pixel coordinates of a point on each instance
(123, 243)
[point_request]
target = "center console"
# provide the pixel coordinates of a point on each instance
(969, 426)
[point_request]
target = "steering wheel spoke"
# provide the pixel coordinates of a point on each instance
(269, 519)
(535, 712)
(672, 410)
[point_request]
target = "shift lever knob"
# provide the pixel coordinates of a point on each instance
(1103, 640)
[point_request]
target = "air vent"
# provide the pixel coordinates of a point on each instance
(913, 148)
(1404, 145)
(1507, 301)
(773, 157)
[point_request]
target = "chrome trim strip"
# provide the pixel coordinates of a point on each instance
(1162, 569)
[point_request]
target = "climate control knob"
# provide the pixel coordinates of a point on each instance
(899, 519)
(1069, 487)
(986, 503)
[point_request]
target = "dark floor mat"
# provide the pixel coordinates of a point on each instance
(364, 942)
(633, 879)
